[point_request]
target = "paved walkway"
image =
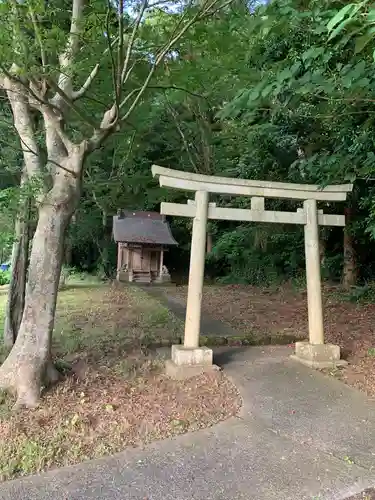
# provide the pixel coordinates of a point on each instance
(300, 435)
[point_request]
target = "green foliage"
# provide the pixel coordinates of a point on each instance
(28, 456)
(286, 95)
(4, 277)
(249, 254)
(296, 111)
(76, 275)
(365, 293)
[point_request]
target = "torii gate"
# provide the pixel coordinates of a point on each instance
(190, 358)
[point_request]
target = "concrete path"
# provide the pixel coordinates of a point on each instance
(300, 435)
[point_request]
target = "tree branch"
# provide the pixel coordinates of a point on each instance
(129, 96)
(81, 92)
(182, 135)
(66, 59)
(126, 75)
(161, 56)
(53, 162)
(18, 32)
(38, 37)
(124, 72)
(68, 101)
(94, 197)
(120, 50)
(199, 15)
(111, 55)
(158, 3)
(217, 9)
(50, 118)
(28, 91)
(112, 116)
(24, 126)
(175, 87)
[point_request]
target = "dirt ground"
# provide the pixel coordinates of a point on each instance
(365, 495)
(283, 311)
(112, 393)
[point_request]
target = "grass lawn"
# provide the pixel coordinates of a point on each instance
(112, 393)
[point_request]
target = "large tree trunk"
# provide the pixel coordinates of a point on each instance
(17, 285)
(29, 364)
(106, 244)
(103, 245)
(68, 254)
(350, 269)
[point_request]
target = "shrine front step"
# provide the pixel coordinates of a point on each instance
(141, 277)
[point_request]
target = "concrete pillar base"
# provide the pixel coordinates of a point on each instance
(318, 355)
(188, 362)
(182, 355)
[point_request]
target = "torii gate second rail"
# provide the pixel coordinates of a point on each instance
(314, 353)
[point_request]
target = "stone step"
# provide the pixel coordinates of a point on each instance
(142, 277)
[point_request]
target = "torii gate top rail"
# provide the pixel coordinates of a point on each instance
(188, 181)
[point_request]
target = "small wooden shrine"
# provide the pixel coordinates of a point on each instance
(142, 238)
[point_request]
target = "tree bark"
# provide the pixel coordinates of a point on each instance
(322, 250)
(107, 240)
(68, 257)
(17, 285)
(66, 262)
(350, 268)
(209, 243)
(29, 364)
(24, 124)
(103, 244)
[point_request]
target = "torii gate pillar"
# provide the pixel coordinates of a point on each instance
(313, 278)
(190, 359)
(196, 271)
(315, 353)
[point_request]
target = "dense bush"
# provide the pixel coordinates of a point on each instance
(4, 277)
(258, 254)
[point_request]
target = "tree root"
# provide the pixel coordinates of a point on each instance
(52, 375)
(21, 383)
(23, 379)
(28, 396)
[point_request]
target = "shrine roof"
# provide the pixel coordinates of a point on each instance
(142, 227)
